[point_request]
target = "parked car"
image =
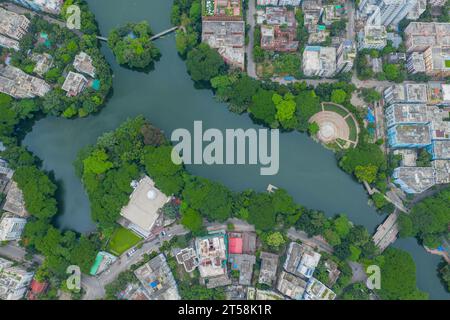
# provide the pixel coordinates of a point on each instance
(131, 252)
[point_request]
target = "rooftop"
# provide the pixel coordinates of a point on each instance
(414, 179)
(269, 266)
(291, 286)
(244, 264)
(83, 63)
(301, 260)
(212, 255)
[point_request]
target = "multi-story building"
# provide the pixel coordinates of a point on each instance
(6, 42)
(11, 227)
(319, 61)
(20, 85)
(417, 10)
(14, 281)
(50, 6)
(346, 55)
(422, 35)
(278, 29)
(222, 10)
(13, 25)
(415, 63)
(372, 37)
(385, 12)
(74, 84)
(406, 93)
(267, 2)
(437, 3)
(437, 61)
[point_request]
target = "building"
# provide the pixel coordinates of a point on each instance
(372, 37)
(188, 258)
(224, 10)
(438, 93)
(244, 264)
(385, 12)
(346, 55)
(263, 295)
(278, 29)
(11, 227)
(316, 290)
(212, 255)
(83, 64)
(15, 202)
(50, 6)
(228, 38)
(312, 10)
(267, 2)
(241, 242)
(409, 136)
(74, 84)
(142, 210)
(157, 279)
(333, 13)
(291, 286)
(437, 3)
(102, 262)
(415, 63)
(441, 171)
(406, 113)
(417, 10)
(318, 35)
(422, 35)
(437, 61)
(17, 84)
(414, 180)
(36, 289)
(13, 25)
(319, 61)
(301, 260)
(406, 93)
(14, 281)
(269, 266)
(43, 63)
(9, 43)
(6, 175)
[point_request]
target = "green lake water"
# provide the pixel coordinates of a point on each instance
(167, 97)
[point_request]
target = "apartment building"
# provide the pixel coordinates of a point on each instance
(18, 84)
(13, 25)
(14, 281)
(437, 61)
(50, 6)
(319, 61)
(372, 37)
(422, 35)
(11, 227)
(346, 55)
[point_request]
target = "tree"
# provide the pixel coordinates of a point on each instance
(275, 240)
(366, 173)
(338, 96)
(370, 96)
(308, 104)
(132, 46)
(204, 63)
(97, 162)
(313, 128)
(399, 276)
(286, 107)
(262, 107)
(192, 220)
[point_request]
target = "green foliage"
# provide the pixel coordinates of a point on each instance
(366, 173)
(97, 163)
(192, 220)
(262, 107)
(132, 46)
(275, 240)
(313, 128)
(399, 276)
(122, 240)
(286, 107)
(308, 104)
(444, 272)
(338, 96)
(204, 63)
(370, 96)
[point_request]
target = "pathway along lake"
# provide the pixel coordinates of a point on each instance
(167, 97)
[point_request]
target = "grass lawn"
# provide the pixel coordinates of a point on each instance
(122, 240)
(353, 130)
(333, 108)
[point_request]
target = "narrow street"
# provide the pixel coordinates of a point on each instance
(251, 66)
(314, 242)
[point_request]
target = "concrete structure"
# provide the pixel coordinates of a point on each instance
(397, 114)
(291, 286)
(50, 6)
(416, 63)
(83, 63)
(301, 260)
(333, 13)
(269, 266)
(318, 35)
(188, 258)
(312, 10)
(228, 38)
(417, 10)
(387, 232)
(143, 209)
(438, 93)
(278, 29)
(372, 37)
(17, 84)
(244, 264)
(414, 180)
(11, 227)
(437, 3)
(319, 61)
(225, 10)
(316, 290)
(14, 281)
(8, 43)
(263, 295)
(212, 255)
(241, 242)
(422, 35)
(409, 136)
(102, 263)
(14, 202)
(43, 63)
(437, 61)
(406, 93)
(13, 25)
(6, 175)
(346, 55)
(385, 12)
(74, 84)
(268, 2)
(157, 279)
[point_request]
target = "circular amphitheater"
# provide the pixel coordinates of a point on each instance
(333, 126)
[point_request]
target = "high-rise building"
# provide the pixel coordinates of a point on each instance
(422, 35)
(437, 61)
(346, 55)
(385, 12)
(319, 61)
(11, 227)
(14, 281)
(372, 37)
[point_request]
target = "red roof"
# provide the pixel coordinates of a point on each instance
(235, 246)
(36, 289)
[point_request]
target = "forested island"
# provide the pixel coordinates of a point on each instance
(132, 46)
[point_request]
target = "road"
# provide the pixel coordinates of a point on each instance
(12, 251)
(95, 286)
(315, 242)
(350, 8)
(251, 66)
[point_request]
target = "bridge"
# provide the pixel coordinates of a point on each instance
(155, 37)
(387, 232)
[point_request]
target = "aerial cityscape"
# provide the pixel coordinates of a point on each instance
(249, 150)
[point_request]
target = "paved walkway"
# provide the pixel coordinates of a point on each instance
(251, 66)
(315, 242)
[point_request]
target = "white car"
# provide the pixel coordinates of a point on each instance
(131, 252)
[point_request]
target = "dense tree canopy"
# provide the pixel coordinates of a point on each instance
(204, 63)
